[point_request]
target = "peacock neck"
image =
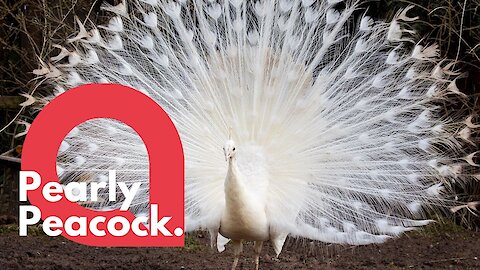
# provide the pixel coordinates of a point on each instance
(232, 163)
(233, 174)
(234, 186)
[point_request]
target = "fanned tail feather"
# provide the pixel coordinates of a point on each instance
(342, 126)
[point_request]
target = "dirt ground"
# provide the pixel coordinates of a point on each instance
(433, 248)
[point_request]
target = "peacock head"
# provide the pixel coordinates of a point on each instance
(229, 150)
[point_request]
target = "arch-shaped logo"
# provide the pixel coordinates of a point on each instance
(163, 145)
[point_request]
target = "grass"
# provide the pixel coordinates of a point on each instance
(442, 225)
(31, 230)
(192, 244)
(191, 241)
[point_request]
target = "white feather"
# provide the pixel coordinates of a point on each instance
(336, 134)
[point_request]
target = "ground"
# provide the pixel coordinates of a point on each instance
(436, 247)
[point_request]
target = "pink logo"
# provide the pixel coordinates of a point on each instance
(166, 224)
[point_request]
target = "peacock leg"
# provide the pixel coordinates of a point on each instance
(258, 248)
(213, 237)
(237, 249)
